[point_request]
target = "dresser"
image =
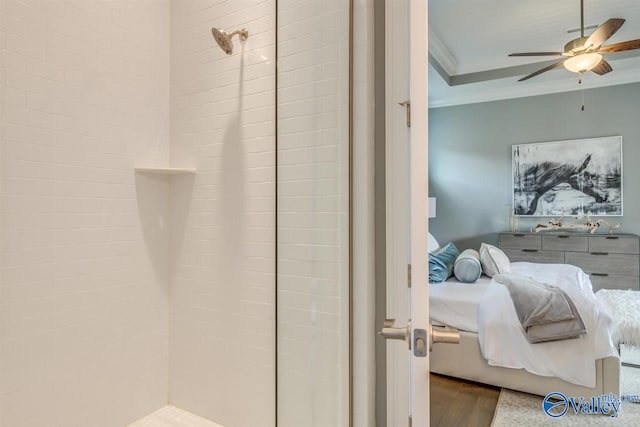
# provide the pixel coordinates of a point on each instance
(611, 260)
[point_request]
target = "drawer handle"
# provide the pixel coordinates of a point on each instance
(599, 253)
(518, 235)
(599, 274)
(612, 237)
(563, 237)
(529, 250)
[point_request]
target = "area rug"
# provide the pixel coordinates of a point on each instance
(525, 410)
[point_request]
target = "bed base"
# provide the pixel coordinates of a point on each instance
(465, 361)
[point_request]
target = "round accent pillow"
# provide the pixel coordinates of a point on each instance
(467, 267)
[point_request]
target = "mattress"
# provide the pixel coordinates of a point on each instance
(456, 304)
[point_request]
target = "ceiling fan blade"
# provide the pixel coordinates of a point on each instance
(619, 47)
(602, 68)
(603, 33)
(542, 70)
(537, 54)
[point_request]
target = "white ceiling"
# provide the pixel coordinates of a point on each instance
(472, 39)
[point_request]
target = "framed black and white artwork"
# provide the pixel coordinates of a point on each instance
(577, 177)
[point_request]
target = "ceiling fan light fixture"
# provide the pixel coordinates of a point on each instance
(582, 63)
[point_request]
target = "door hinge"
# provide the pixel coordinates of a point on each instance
(409, 275)
(407, 104)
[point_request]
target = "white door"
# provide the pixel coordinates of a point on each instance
(407, 214)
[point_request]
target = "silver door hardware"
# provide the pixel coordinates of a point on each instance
(407, 104)
(391, 332)
(419, 343)
(420, 339)
(442, 335)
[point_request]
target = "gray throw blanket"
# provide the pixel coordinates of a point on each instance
(546, 312)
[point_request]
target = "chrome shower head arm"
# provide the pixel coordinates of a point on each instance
(243, 34)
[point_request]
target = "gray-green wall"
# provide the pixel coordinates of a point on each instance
(470, 155)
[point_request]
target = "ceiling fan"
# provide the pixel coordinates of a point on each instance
(585, 53)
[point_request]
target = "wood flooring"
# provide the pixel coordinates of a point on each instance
(461, 403)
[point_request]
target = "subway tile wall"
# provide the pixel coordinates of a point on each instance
(222, 340)
(84, 89)
(313, 207)
(92, 254)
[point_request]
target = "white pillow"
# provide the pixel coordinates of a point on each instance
(433, 244)
(493, 260)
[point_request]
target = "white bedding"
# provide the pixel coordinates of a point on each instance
(456, 304)
(571, 360)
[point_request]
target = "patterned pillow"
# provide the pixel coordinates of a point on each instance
(441, 263)
(493, 260)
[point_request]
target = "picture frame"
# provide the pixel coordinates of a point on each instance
(568, 178)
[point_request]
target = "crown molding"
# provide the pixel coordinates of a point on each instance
(501, 83)
(499, 92)
(442, 54)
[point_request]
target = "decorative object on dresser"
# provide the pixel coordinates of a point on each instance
(612, 261)
(590, 225)
(578, 177)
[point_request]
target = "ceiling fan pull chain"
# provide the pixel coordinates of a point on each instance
(582, 109)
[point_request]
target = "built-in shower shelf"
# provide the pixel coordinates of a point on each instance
(166, 171)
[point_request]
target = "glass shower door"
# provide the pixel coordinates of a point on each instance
(312, 278)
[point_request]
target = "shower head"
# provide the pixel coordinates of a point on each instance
(224, 39)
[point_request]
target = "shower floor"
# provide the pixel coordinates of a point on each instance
(170, 416)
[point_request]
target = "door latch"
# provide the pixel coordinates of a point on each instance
(419, 342)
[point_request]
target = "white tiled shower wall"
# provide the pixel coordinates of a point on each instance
(84, 290)
(222, 345)
(88, 261)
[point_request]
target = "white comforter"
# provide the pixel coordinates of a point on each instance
(571, 360)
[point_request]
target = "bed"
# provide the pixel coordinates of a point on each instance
(471, 308)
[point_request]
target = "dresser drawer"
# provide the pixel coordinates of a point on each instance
(565, 242)
(520, 241)
(603, 262)
(614, 244)
(614, 281)
(535, 255)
